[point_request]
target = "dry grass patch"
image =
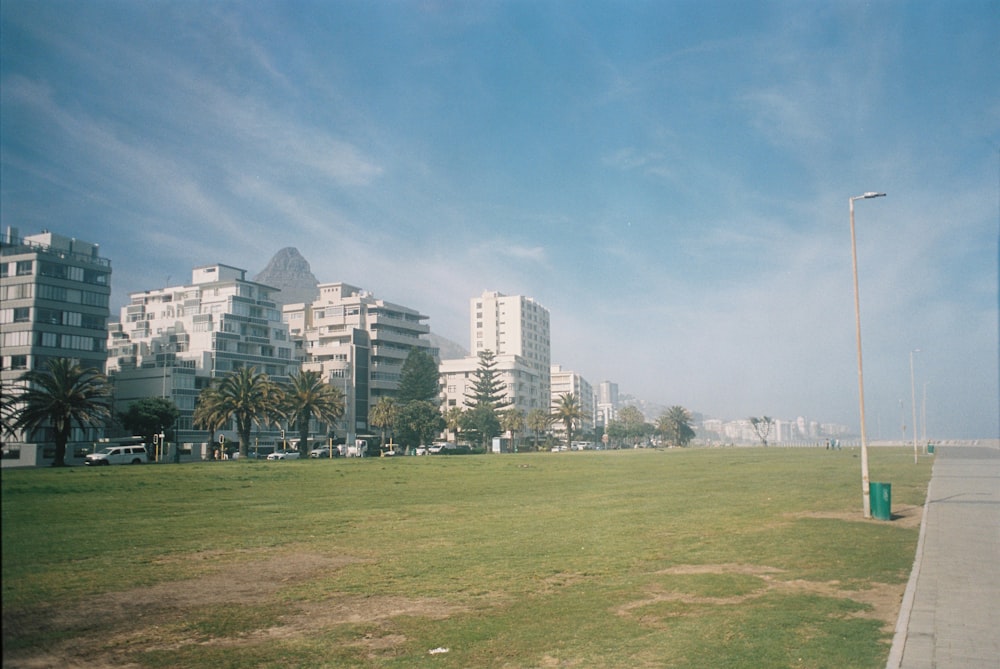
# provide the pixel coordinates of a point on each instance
(880, 600)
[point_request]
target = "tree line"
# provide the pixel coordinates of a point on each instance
(65, 394)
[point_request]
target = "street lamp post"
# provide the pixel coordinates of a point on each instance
(913, 403)
(923, 421)
(348, 442)
(865, 486)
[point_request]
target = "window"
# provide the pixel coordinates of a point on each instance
(17, 338)
(18, 291)
(95, 277)
(48, 316)
(54, 293)
(79, 343)
(92, 322)
(93, 299)
(16, 315)
(56, 270)
(24, 268)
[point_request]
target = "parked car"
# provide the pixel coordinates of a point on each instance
(118, 455)
(284, 455)
(441, 447)
(324, 452)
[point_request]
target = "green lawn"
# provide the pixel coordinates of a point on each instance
(718, 558)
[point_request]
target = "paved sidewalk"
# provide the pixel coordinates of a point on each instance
(950, 615)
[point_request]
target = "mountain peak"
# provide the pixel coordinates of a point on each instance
(290, 272)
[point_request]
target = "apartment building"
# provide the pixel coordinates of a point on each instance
(607, 402)
(567, 382)
(54, 303)
(516, 329)
(511, 324)
(519, 378)
(356, 341)
(171, 342)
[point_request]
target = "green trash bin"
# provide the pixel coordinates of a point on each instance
(930, 449)
(881, 499)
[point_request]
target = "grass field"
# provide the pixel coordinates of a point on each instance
(719, 558)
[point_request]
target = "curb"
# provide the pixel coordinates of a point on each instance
(903, 622)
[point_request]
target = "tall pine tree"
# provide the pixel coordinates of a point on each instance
(488, 394)
(488, 387)
(419, 380)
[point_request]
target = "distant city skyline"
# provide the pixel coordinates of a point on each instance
(670, 180)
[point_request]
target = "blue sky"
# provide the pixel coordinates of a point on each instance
(670, 179)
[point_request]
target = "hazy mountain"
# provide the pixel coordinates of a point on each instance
(290, 272)
(448, 349)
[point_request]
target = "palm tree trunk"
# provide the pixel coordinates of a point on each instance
(304, 439)
(62, 438)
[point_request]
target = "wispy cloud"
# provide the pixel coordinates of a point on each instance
(535, 254)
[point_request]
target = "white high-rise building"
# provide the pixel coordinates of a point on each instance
(171, 342)
(510, 324)
(566, 382)
(516, 329)
(357, 342)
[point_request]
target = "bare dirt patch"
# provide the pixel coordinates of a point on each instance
(903, 515)
(146, 618)
(882, 599)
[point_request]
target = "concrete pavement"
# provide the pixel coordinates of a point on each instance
(950, 615)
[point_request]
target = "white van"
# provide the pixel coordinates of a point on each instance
(118, 455)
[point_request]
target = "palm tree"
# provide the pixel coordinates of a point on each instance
(59, 396)
(569, 412)
(384, 415)
(512, 420)
(308, 396)
(250, 398)
(674, 425)
(538, 421)
(453, 420)
(208, 414)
